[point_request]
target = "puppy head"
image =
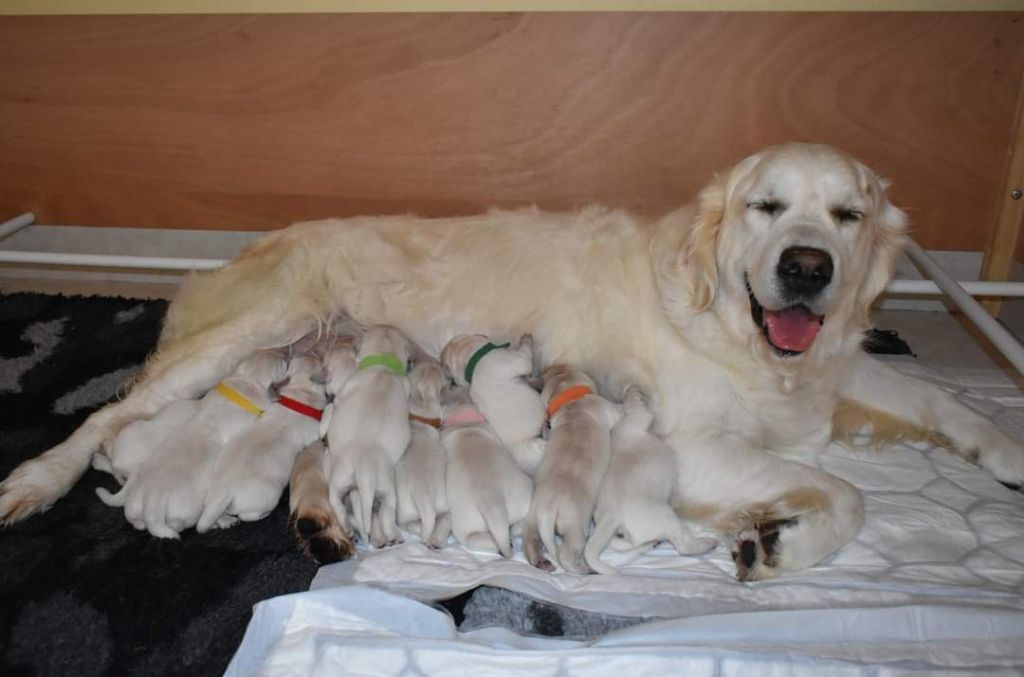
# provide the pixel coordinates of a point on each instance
(387, 340)
(454, 397)
(559, 377)
(427, 380)
(264, 368)
(339, 362)
(788, 249)
(457, 353)
(306, 371)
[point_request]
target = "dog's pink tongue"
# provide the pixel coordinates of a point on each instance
(793, 328)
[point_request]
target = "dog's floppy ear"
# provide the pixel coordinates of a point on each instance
(887, 225)
(702, 244)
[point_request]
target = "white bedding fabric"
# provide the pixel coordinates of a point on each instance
(933, 582)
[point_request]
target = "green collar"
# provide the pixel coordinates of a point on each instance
(383, 360)
(479, 355)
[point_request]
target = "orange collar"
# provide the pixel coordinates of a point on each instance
(432, 422)
(565, 397)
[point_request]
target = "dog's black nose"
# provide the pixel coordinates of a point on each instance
(804, 270)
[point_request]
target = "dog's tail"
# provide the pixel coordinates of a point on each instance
(113, 500)
(545, 521)
(496, 518)
(366, 477)
(215, 505)
(424, 503)
(532, 546)
(599, 539)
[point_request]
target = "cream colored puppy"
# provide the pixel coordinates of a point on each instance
(253, 468)
(496, 376)
(634, 505)
(569, 476)
(138, 441)
(487, 491)
(317, 530)
(419, 475)
(166, 495)
(367, 430)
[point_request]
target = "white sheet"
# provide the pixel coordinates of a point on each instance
(933, 581)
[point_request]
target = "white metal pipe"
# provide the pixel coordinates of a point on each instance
(1000, 337)
(110, 260)
(929, 288)
(17, 223)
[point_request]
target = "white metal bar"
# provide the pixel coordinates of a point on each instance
(110, 260)
(1000, 337)
(929, 288)
(17, 223)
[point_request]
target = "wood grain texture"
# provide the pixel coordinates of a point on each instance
(251, 122)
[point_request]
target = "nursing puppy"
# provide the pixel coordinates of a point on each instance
(496, 376)
(253, 469)
(166, 495)
(367, 430)
(634, 505)
(570, 474)
(138, 441)
(487, 491)
(317, 530)
(419, 475)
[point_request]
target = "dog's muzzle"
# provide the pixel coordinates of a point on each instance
(803, 272)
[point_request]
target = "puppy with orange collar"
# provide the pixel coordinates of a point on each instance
(569, 476)
(419, 475)
(496, 376)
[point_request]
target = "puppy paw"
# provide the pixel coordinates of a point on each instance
(756, 551)
(544, 564)
(319, 537)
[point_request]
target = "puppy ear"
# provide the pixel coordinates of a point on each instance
(887, 226)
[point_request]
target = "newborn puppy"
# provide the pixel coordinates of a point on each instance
(487, 491)
(166, 495)
(635, 501)
(317, 530)
(139, 440)
(496, 376)
(367, 430)
(419, 475)
(569, 476)
(253, 468)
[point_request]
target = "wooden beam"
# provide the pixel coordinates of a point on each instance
(1009, 209)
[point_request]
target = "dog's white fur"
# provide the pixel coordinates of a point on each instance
(253, 468)
(660, 303)
(419, 474)
(138, 441)
(166, 495)
(487, 491)
(569, 476)
(499, 389)
(634, 505)
(367, 431)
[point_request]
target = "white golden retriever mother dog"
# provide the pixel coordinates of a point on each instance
(741, 314)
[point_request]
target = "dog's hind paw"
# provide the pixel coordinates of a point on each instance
(755, 551)
(320, 537)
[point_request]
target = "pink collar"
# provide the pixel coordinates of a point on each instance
(463, 417)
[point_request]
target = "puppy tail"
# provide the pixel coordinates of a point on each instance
(428, 515)
(496, 517)
(532, 545)
(213, 508)
(113, 500)
(366, 483)
(545, 520)
(599, 539)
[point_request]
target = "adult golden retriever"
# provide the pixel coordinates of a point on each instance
(741, 314)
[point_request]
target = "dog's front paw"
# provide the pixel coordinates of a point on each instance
(1000, 455)
(756, 551)
(31, 488)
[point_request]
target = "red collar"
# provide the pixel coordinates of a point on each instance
(299, 407)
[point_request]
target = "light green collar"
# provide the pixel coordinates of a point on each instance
(383, 360)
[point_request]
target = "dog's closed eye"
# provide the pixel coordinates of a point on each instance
(847, 214)
(770, 206)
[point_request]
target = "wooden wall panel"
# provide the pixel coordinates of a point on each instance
(250, 122)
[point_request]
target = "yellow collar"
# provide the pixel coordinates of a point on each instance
(239, 399)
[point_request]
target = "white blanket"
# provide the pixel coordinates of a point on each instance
(933, 581)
